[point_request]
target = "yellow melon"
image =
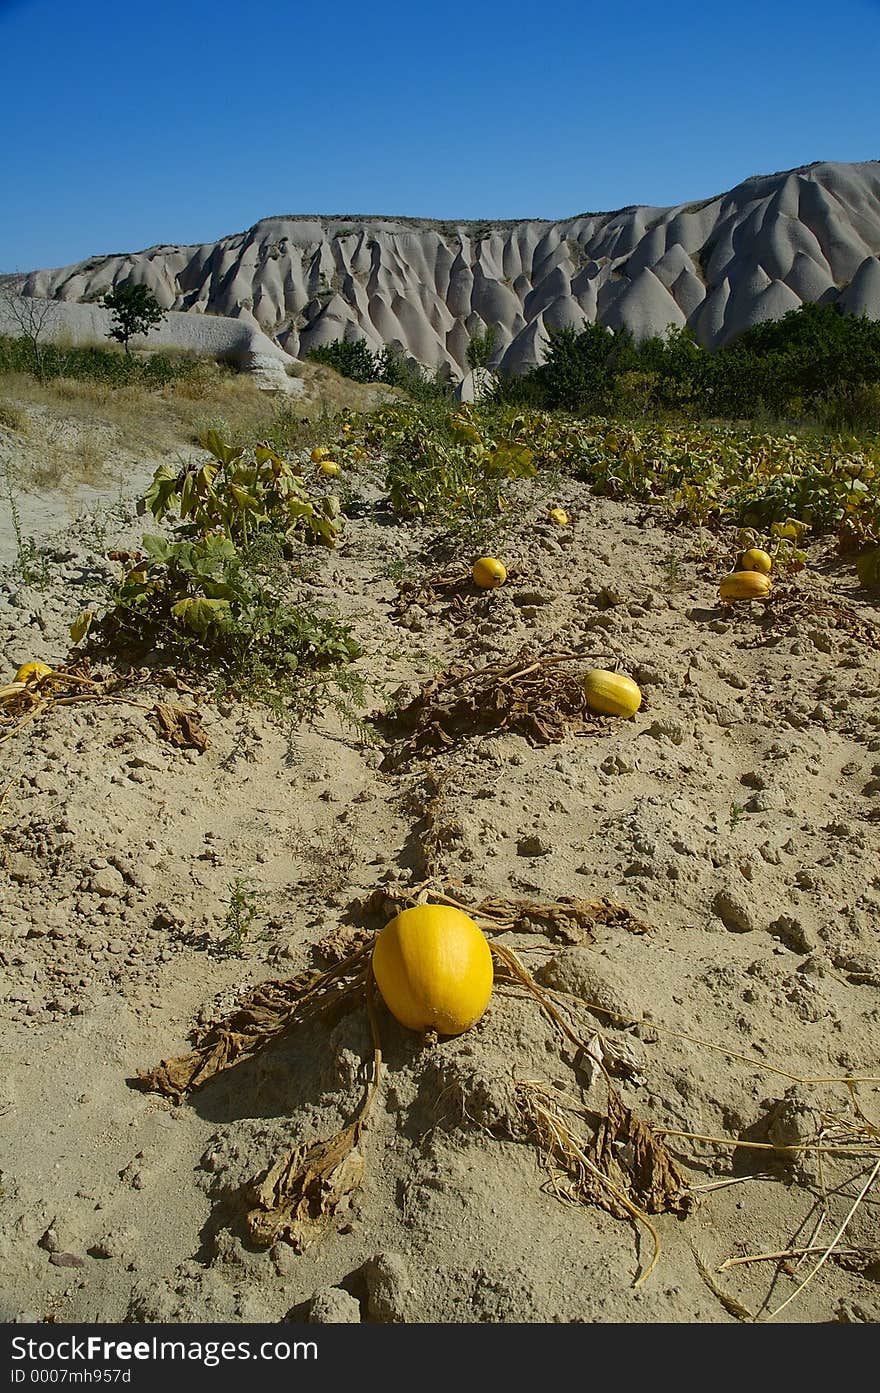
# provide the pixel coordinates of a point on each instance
(744, 585)
(433, 968)
(32, 672)
(488, 572)
(610, 693)
(755, 560)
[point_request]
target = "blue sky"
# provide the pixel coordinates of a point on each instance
(126, 126)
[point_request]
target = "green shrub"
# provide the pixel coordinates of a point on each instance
(351, 358)
(815, 363)
(107, 367)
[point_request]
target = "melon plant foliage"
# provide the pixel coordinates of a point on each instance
(213, 595)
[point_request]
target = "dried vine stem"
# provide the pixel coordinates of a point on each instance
(555, 1135)
(262, 1017)
(299, 1194)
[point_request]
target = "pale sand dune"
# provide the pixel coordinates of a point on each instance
(770, 244)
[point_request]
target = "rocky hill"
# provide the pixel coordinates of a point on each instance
(765, 247)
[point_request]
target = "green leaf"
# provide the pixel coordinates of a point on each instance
(243, 499)
(157, 547)
(213, 443)
(512, 461)
(199, 614)
(263, 455)
(81, 625)
(218, 547)
(187, 496)
(162, 491)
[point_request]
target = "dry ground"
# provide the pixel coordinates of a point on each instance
(145, 887)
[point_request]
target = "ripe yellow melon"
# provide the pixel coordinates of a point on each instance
(433, 968)
(610, 693)
(488, 572)
(32, 672)
(559, 516)
(744, 585)
(755, 560)
(329, 467)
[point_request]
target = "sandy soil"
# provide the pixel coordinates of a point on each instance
(736, 818)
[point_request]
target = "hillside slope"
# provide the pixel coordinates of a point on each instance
(767, 246)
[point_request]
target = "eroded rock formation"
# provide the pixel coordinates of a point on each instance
(767, 246)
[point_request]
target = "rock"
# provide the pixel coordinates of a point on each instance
(595, 980)
(791, 1122)
(107, 883)
(333, 1306)
(673, 731)
(109, 1245)
(767, 800)
(734, 910)
(50, 1240)
(648, 676)
(533, 846)
(389, 1287)
(617, 764)
(474, 385)
(795, 933)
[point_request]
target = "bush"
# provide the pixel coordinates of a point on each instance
(816, 362)
(396, 370)
(106, 366)
(577, 371)
(351, 359)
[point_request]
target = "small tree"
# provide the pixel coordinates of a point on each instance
(135, 311)
(351, 358)
(37, 318)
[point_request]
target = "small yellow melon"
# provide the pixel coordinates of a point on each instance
(433, 968)
(610, 693)
(559, 515)
(329, 467)
(488, 572)
(320, 452)
(32, 672)
(755, 560)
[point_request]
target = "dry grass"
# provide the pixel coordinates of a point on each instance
(13, 418)
(72, 427)
(141, 418)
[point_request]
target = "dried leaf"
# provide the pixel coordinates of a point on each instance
(341, 942)
(569, 919)
(627, 1148)
(592, 1059)
(297, 1197)
(264, 1015)
(530, 695)
(180, 727)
